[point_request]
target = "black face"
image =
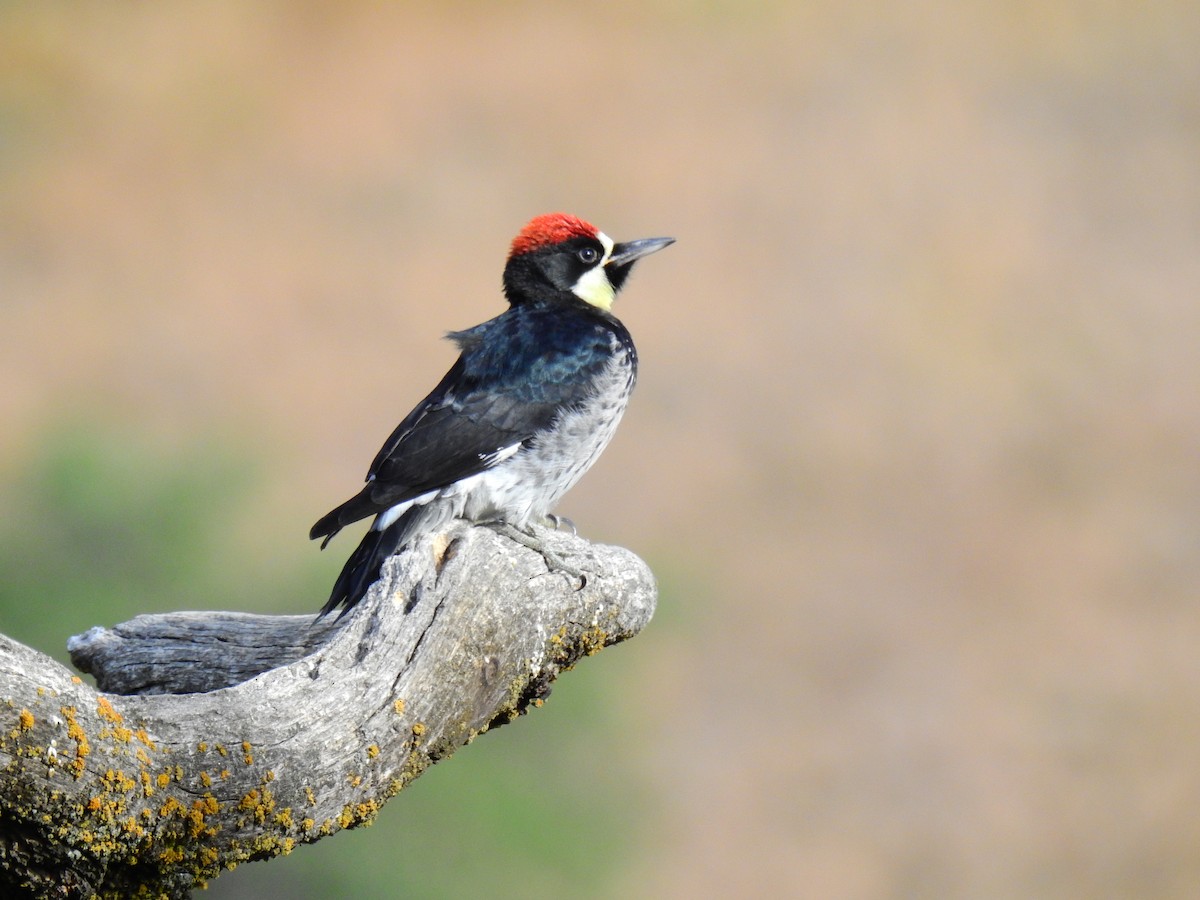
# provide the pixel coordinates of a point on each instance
(551, 270)
(564, 264)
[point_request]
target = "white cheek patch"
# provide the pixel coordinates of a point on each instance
(593, 285)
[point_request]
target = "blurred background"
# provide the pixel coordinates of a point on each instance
(914, 451)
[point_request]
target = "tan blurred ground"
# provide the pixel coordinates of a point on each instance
(915, 449)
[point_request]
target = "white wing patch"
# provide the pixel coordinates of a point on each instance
(498, 456)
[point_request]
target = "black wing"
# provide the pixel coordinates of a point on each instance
(484, 404)
(454, 433)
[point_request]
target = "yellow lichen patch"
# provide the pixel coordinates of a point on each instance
(121, 733)
(210, 857)
(94, 804)
(372, 751)
(141, 735)
(205, 779)
(355, 780)
(171, 856)
(75, 679)
(199, 813)
(142, 756)
(268, 776)
(105, 710)
(116, 780)
(195, 818)
(310, 796)
(221, 749)
(202, 747)
(366, 811)
(164, 780)
(398, 706)
(266, 808)
(418, 729)
(25, 720)
(224, 774)
(147, 786)
(594, 640)
(284, 818)
(170, 807)
(261, 803)
(75, 732)
(307, 824)
(358, 815)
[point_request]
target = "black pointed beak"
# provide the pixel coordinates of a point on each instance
(625, 253)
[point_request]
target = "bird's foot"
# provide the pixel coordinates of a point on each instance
(554, 562)
(560, 523)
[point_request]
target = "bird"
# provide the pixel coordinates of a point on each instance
(531, 402)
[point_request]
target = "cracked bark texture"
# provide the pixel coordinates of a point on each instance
(216, 738)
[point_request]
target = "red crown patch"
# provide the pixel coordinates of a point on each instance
(552, 228)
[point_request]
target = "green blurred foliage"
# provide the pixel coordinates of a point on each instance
(103, 524)
(100, 524)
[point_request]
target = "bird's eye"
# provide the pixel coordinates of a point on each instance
(589, 255)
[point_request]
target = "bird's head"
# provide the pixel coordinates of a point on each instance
(560, 256)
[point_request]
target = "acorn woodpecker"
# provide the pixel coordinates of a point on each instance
(533, 399)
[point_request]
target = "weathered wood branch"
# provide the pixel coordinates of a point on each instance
(296, 730)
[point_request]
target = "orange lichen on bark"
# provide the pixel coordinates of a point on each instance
(105, 710)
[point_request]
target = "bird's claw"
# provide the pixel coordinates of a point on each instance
(554, 562)
(561, 523)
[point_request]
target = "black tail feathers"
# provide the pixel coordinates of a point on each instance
(362, 569)
(357, 507)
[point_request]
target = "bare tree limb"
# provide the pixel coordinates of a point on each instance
(148, 790)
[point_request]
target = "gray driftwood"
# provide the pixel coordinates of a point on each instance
(292, 731)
